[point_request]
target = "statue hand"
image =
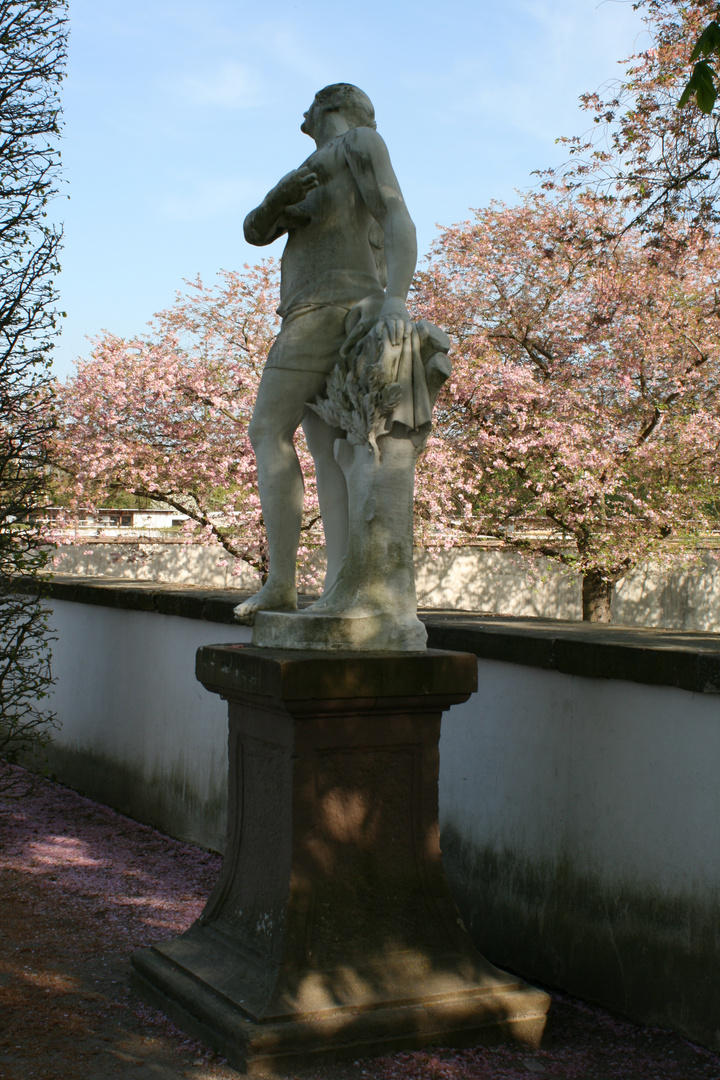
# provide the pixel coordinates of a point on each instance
(395, 319)
(360, 321)
(294, 187)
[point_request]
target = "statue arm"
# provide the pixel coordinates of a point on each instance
(277, 212)
(369, 162)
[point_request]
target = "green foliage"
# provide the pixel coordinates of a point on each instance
(701, 84)
(656, 162)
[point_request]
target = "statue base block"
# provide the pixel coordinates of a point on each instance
(309, 631)
(332, 932)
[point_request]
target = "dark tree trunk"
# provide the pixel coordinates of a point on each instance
(597, 595)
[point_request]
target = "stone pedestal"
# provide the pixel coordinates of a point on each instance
(332, 932)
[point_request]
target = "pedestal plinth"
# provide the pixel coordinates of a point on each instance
(363, 632)
(332, 931)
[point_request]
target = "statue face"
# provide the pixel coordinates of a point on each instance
(315, 116)
(311, 117)
(341, 99)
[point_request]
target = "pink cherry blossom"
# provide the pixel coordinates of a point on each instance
(584, 396)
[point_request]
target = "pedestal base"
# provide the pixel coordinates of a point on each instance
(309, 631)
(332, 931)
(187, 984)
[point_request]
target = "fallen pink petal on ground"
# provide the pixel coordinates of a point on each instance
(82, 886)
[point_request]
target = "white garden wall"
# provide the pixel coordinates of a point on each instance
(136, 728)
(581, 835)
(580, 816)
(600, 773)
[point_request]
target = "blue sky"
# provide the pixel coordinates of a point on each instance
(181, 114)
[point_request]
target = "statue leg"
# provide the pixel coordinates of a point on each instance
(332, 491)
(279, 409)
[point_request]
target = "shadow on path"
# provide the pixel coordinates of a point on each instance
(81, 887)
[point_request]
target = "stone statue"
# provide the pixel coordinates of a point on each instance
(352, 368)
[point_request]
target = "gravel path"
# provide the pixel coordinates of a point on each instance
(81, 887)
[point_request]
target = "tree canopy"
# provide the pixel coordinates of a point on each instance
(165, 416)
(584, 395)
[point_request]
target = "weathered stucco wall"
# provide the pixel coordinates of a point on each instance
(138, 732)
(580, 835)
(579, 794)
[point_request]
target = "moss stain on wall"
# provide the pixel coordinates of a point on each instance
(651, 956)
(162, 799)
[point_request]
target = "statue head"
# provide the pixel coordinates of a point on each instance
(351, 101)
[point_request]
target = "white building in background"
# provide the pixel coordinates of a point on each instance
(106, 517)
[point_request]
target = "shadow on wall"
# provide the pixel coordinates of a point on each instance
(498, 581)
(685, 599)
(491, 580)
(170, 563)
(503, 582)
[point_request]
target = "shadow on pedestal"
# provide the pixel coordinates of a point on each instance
(332, 931)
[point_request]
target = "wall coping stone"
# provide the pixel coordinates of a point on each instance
(689, 660)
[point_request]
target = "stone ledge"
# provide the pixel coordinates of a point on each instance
(681, 658)
(684, 659)
(185, 601)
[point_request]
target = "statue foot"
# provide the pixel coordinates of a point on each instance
(331, 601)
(270, 598)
